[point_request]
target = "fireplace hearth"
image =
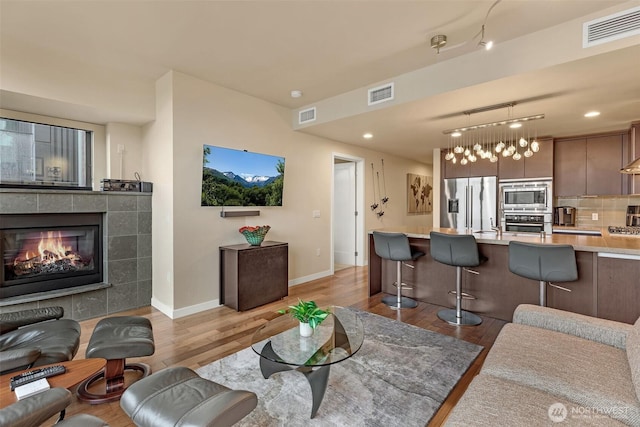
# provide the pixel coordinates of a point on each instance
(48, 252)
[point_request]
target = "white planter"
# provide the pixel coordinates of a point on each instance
(305, 330)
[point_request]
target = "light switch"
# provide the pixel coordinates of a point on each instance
(594, 216)
(316, 214)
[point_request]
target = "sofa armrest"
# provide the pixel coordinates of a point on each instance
(16, 319)
(603, 331)
(34, 410)
(20, 358)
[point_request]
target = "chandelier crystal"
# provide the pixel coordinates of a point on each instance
(486, 141)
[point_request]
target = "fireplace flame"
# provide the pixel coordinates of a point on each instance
(50, 251)
(51, 247)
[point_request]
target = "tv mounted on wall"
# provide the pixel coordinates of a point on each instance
(241, 178)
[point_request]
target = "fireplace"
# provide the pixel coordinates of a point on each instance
(47, 252)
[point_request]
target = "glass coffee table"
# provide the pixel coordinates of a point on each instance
(281, 348)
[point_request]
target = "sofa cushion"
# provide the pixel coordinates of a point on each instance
(592, 328)
(593, 375)
(491, 401)
(633, 354)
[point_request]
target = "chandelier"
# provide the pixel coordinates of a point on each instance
(506, 138)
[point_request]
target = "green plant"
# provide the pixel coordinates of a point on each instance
(306, 312)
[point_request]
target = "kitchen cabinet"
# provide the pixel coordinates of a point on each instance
(589, 165)
(481, 167)
(251, 276)
(570, 167)
(618, 288)
(604, 160)
(540, 165)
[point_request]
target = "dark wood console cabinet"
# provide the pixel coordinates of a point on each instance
(251, 276)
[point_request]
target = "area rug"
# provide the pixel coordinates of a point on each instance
(399, 377)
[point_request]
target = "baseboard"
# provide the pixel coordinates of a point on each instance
(192, 309)
(186, 311)
(305, 279)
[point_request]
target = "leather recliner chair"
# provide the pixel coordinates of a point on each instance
(36, 337)
(34, 410)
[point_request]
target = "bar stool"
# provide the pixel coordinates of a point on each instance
(544, 263)
(396, 247)
(460, 251)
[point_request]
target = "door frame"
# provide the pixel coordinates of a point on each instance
(360, 218)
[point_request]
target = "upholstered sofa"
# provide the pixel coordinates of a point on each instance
(36, 337)
(551, 367)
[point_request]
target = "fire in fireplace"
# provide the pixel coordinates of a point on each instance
(45, 252)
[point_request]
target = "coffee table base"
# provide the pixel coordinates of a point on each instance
(317, 377)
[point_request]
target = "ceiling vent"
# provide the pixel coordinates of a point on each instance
(306, 116)
(612, 27)
(381, 94)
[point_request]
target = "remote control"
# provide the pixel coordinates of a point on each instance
(36, 374)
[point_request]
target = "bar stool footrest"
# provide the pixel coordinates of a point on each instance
(463, 295)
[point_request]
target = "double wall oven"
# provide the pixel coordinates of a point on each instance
(526, 205)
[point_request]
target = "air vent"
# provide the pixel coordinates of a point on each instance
(306, 116)
(381, 94)
(612, 27)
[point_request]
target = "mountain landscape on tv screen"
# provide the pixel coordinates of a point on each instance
(239, 186)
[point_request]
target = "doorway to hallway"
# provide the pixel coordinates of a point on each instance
(347, 219)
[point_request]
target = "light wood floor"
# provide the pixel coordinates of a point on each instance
(202, 338)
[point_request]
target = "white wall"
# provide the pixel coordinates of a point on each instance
(157, 165)
(204, 113)
(124, 164)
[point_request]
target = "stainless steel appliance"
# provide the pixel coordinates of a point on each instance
(564, 215)
(526, 195)
(629, 230)
(469, 203)
(526, 205)
(633, 216)
(527, 222)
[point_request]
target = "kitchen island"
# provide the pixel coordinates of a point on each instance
(608, 284)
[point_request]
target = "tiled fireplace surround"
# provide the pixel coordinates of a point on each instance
(126, 251)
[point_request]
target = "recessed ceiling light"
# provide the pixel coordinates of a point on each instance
(296, 93)
(592, 114)
(367, 135)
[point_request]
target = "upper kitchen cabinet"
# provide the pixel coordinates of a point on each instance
(540, 165)
(589, 165)
(481, 167)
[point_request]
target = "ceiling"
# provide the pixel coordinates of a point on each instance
(325, 49)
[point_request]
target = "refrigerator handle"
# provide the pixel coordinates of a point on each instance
(470, 226)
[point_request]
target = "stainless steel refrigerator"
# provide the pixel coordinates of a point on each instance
(469, 203)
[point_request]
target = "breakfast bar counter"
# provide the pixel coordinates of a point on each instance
(608, 284)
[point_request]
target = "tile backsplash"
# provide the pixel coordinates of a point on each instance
(611, 210)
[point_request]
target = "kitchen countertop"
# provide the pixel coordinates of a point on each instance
(607, 243)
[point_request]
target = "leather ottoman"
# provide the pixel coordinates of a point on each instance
(116, 339)
(179, 396)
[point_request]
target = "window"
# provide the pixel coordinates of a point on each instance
(37, 155)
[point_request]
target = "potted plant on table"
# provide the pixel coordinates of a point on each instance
(308, 314)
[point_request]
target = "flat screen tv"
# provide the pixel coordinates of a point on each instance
(241, 178)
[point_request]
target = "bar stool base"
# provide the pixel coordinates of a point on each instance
(405, 302)
(466, 319)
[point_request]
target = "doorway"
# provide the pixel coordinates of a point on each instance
(347, 219)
